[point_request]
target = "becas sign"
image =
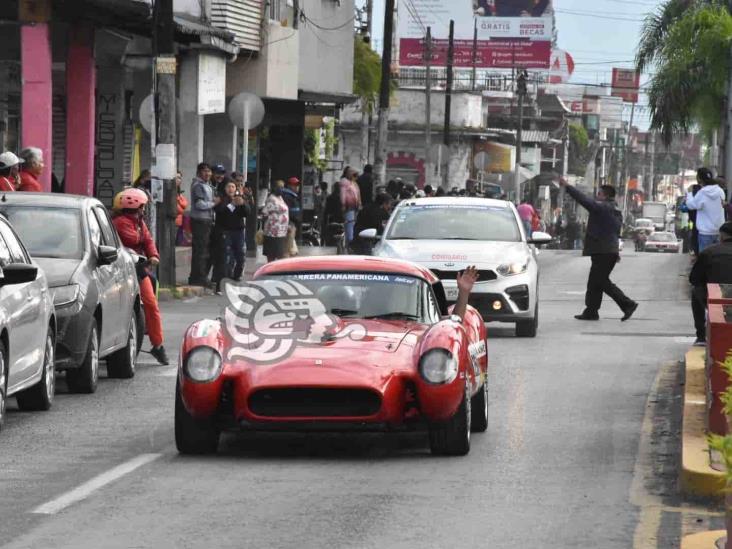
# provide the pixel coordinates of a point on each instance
(511, 33)
(625, 84)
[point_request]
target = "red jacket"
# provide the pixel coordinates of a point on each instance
(134, 235)
(6, 184)
(29, 183)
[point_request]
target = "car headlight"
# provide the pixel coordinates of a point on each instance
(513, 268)
(438, 367)
(202, 364)
(63, 296)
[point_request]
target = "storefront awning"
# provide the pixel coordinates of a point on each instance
(207, 34)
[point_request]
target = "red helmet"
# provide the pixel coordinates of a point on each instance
(130, 199)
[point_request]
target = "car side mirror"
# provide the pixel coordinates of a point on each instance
(107, 255)
(369, 234)
(18, 273)
(540, 238)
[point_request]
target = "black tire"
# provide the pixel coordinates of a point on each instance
(479, 410)
(3, 385)
(452, 437)
(84, 379)
(528, 328)
(193, 436)
(40, 396)
(121, 364)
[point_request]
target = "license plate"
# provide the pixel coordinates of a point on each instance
(451, 294)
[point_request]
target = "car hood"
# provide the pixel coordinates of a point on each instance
(442, 253)
(58, 271)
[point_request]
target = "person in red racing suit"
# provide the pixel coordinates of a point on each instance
(129, 221)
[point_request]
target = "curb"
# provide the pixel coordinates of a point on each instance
(704, 540)
(180, 292)
(698, 478)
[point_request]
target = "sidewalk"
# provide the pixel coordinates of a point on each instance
(183, 261)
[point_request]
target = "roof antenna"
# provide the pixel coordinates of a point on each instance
(4, 198)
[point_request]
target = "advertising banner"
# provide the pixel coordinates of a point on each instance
(511, 33)
(625, 84)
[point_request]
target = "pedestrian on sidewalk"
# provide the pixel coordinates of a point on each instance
(276, 224)
(203, 201)
(144, 183)
(31, 170)
(373, 216)
(333, 214)
(219, 179)
(709, 206)
(712, 266)
(366, 185)
(350, 201)
(527, 213)
(134, 234)
(9, 171)
(602, 245)
(230, 250)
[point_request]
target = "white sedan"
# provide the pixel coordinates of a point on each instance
(448, 234)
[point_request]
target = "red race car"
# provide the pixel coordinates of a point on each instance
(334, 344)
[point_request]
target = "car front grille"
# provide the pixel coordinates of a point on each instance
(483, 275)
(306, 402)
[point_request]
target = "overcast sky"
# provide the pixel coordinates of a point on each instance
(599, 34)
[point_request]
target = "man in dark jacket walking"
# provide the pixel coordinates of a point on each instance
(366, 185)
(713, 266)
(601, 244)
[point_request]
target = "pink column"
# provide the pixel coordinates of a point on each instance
(35, 46)
(81, 81)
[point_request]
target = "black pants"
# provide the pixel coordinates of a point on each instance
(201, 251)
(599, 282)
(699, 310)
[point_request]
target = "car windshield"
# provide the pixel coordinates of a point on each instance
(662, 237)
(365, 295)
(47, 232)
(454, 222)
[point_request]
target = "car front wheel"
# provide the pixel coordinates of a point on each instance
(40, 396)
(3, 385)
(193, 436)
(452, 437)
(528, 328)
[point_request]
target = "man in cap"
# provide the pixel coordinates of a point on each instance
(220, 179)
(291, 196)
(9, 170)
(713, 266)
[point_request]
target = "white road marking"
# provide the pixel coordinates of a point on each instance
(167, 372)
(574, 292)
(83, 491)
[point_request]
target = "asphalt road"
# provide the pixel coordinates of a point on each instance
(580, 452)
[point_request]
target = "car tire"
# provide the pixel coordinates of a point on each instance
(84, 379)
(452, 437)
(121, 364)
(3, 385)
(528, 328)
(193, 436)
(40, 396)
(140, 319)
(479, 409)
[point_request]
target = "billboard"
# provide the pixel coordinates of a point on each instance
(625, 84)
(511, 33)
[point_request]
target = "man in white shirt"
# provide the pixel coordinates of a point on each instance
(709, 206)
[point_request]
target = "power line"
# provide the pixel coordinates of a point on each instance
(598, 16)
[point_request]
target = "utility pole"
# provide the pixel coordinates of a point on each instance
(370, 18)
(521, 91)
(652, 168)
(165, 138)
(448, 100)
(428, 107)
(728, 133)
(366, 107)
(626, 155)
(382, 134)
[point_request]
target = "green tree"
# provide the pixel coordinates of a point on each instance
(686, 44)
(366, 73)
(579, 149)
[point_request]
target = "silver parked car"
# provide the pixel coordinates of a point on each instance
(27, 328)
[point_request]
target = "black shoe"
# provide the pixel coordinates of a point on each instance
(585, 316)
(629, 312)
(700, 342)
(159, 354)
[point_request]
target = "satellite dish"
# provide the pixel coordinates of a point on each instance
(147, 113)
(246, 111)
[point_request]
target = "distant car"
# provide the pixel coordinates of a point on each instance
(92, 279)
(27, 328)
(644, 224)
(448, 234)
(663, 242)
(385, 356)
